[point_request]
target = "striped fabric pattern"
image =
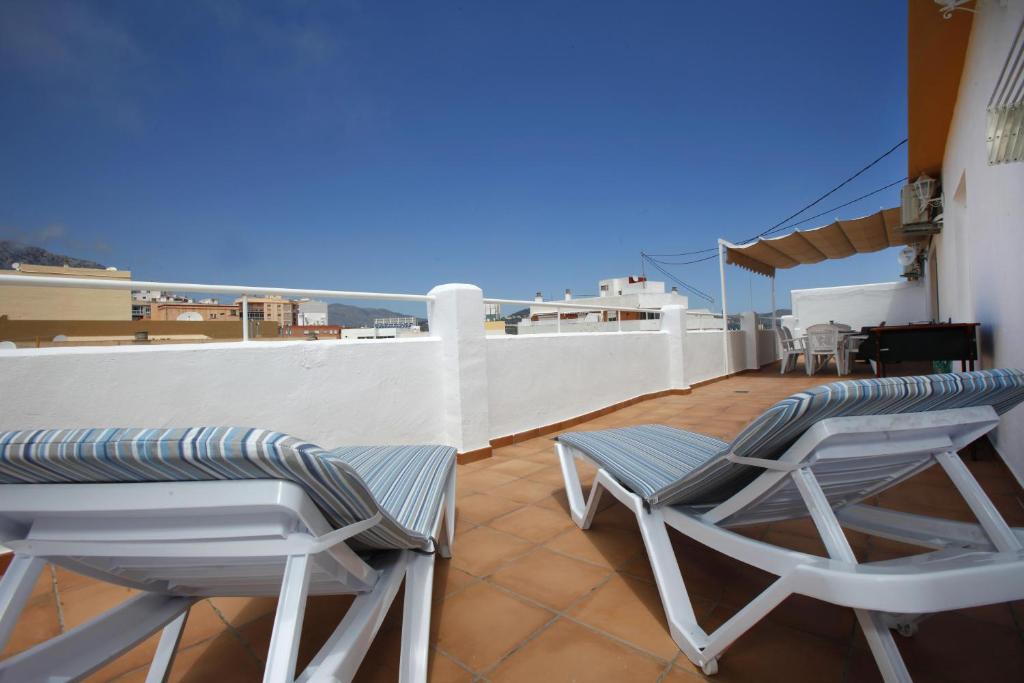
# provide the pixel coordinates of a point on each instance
(647, 459)
(775, 430)
(404, 483)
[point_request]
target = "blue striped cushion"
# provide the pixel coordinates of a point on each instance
(405, 483)
(647, 459)
(775, 430)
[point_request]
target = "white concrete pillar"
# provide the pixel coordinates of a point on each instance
(673, 321)
(748, 325)
(456, 316)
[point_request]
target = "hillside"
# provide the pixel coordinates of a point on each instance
(357, 316)
(15, 252)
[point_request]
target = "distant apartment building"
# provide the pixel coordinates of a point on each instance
(65, 303)
(193, 310)
(633, 291)
(275, 308)
(311, 313)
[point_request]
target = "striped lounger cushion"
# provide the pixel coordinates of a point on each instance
(350, 484)
(667, 466)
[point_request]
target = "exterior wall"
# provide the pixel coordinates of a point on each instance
(312, 313)
(65, 303)
(703, 353)
(456, 386)
(28, 331)
(859, 305)
(978, 251)
(767, 347)
(172, 311)
(336, 394)
(538, 380)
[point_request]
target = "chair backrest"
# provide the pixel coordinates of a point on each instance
(783, 334)
(200, 454)
(822, 338)
(842, 327)
(775, 430)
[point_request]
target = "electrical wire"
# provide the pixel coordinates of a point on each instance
(778, 226)
(778, 229)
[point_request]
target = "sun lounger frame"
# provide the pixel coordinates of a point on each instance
(852, 458)
(181, 541)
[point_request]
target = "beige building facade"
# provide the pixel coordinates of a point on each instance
(193, 311)
(19, 302)
(275, 308)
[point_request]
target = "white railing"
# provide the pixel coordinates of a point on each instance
(702, 319)
(243, 291)
(558, 306)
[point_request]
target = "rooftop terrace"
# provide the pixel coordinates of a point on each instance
(528, 596)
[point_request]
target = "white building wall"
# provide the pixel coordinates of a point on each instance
(455, 386)
(328, 392)
(896, 303)
(979, 250)
(538, 380)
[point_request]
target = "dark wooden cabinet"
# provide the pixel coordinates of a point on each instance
(940, 341)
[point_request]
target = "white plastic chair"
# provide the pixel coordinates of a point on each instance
(790, 348)
(822, 343)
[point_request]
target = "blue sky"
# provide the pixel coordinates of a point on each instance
(392, 146)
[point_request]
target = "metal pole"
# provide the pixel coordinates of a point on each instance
(618, 319)
(725, 309)
(245, 318)
(775, 323)
(558, 320)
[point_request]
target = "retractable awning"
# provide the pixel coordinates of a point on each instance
(838, 240)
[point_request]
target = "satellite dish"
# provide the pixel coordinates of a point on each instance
(907, 256)
(190, 316)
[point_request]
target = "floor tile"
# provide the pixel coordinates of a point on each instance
(606, 546)
(549, 578)
(37, 623)
(569, 652)
(526, 491)
(482, 507)
(240, 611)
(773, 653)
(449, 579)
(483, 481)
(481, 550)
(631, 610)
(482, 624)
(517, 468)
(534, 524)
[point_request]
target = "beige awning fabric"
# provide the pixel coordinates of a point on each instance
(838, 240)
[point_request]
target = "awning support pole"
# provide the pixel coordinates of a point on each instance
(725, 310)
(775, 323)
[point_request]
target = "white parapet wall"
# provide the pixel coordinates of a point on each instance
(327, 392)
(895, 303)
(704, 359)
(455, 386)
(540, 379)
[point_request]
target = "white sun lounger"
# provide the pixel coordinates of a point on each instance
(819, 453)
(182, 514)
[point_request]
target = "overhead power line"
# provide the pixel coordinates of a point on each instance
(781, 223)
(778, 229)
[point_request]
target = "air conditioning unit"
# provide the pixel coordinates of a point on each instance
(921, 208)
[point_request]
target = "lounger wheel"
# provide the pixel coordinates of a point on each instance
(710, 667)
(907, 629)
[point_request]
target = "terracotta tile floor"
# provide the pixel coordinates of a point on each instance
(529, 597)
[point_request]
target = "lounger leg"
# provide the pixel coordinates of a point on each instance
(419, 586)
(160, 666)
(339, 658)
(582, 513)
(675, 599)
(883, 647)
(447, 536)
(291, 606)
(15, 588)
